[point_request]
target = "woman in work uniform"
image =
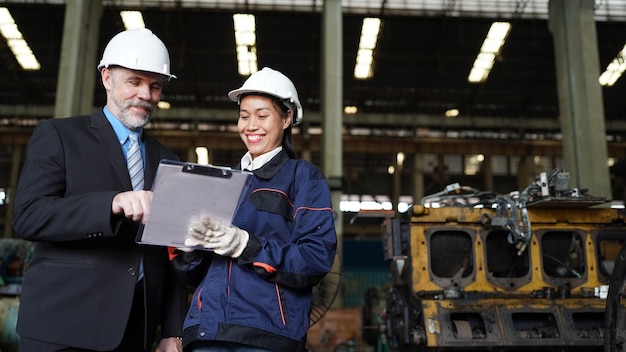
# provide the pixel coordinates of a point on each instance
(256, 293)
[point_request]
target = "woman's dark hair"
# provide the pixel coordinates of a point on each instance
(288, 142)
(283, 109)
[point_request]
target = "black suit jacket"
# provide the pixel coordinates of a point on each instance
(78, 288)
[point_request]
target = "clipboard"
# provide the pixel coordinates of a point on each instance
(183, 192)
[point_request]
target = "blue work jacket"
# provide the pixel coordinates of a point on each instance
(263, 298)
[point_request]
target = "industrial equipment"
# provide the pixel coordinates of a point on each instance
(527, 271)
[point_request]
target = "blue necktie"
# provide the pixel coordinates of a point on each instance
(135, 171)
(135, 162)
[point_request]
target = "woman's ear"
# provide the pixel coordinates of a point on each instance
(287, 119)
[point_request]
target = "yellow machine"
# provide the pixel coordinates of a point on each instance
(480, 271)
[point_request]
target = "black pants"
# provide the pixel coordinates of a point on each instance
(133, 339)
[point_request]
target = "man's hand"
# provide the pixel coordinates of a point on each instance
(212, 234)
(170, 344)
(134, 205)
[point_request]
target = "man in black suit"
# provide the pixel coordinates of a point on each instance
(89, 285)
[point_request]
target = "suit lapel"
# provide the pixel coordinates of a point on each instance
(103, 131)
(152, 159)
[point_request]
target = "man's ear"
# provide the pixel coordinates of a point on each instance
(105, 75)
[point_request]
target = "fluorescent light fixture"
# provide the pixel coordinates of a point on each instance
(245, 39)
(488, 51)
(15, 41)
(132, 19)
(473, 163)
(370, 29)
(350, 110)
(400, 159)
(614, 70)
(611, 161)
(452, 113)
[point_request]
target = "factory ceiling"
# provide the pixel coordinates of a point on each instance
(422, 60)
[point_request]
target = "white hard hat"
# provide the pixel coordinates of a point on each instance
(274, 83)
(137, 49)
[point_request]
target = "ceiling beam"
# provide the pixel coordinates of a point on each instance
(393, 121)
(230, 141)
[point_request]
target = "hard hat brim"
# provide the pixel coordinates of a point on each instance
(235, 94)
(167, 76)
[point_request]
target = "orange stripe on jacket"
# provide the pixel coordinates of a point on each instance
(309, 208)
(267, 267)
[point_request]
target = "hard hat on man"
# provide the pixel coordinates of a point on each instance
(137, 49)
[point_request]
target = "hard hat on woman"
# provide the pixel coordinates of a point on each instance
(273, 83)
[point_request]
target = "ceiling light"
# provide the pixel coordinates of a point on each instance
(350, 110)
(452, 113)
(245, 39)
(400, 159)
(20, 48)
(370, 29)
(614, 70)
(488, 51)
(164, 105)
(132, 19)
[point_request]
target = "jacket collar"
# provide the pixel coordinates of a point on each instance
(271, 168)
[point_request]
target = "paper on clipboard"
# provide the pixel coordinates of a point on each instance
(184, 192)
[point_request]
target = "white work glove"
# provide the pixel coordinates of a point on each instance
(212, 234)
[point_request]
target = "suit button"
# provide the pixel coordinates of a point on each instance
(132, 272)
